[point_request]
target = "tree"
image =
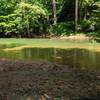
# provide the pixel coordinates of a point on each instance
(54, 11)
(76, 15)
(29, 16)
(89, 15)
(24, 20)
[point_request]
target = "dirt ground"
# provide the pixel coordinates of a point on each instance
(78, 37)
(20, 80)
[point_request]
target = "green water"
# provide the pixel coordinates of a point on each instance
(77, 58)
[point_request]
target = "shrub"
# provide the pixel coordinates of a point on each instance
(61, 29)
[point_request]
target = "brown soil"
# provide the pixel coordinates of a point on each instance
(78, 37)
(43, 80)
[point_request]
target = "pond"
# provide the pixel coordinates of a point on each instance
(74, 57)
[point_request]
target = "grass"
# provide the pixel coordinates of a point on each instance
(18, 44)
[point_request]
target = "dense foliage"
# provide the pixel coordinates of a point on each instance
(26, 18)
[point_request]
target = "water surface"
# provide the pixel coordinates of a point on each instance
(76, 58)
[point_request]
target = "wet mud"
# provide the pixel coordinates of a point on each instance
(20, 80)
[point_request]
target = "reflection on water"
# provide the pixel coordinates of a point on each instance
(80, 58)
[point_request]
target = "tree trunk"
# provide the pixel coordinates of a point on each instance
(76, 15)
(80, 10)
(54, 11)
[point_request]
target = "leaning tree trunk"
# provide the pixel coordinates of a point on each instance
(54, 11)
(76, 15)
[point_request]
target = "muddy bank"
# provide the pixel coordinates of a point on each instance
(40, 80)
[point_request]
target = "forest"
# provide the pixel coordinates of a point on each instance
(27, 18)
